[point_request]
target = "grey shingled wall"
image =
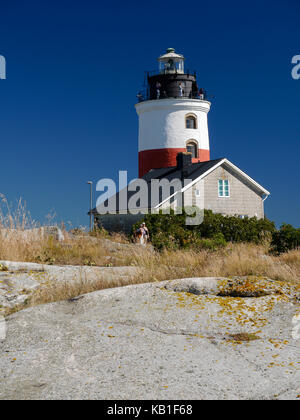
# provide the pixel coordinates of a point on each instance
(244, 199)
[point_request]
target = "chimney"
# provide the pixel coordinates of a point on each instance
(184, 159)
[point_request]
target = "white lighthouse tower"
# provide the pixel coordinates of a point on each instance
(172, 116)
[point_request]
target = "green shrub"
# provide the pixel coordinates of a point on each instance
(234, 228)
(170, 231)
(285, 239)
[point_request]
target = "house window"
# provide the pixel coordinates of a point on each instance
(223, 188)
(190, 121)
(192, 147)
(243, 216)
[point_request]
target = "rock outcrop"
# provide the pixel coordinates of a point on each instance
(20, 280)
(183, 339)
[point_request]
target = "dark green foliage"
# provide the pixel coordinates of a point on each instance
(285, 239)
(235, 229)
(170, 231)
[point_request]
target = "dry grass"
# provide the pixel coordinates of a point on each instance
(54, 292)
(22, 240)
(34, 246)
(234, 260)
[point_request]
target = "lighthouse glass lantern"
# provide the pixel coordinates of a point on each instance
(171, 62)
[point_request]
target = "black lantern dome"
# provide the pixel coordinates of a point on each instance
(171, 80)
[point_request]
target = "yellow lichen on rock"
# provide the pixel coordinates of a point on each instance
(243, 301)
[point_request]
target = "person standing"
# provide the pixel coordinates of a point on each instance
(158, 86)
(145, 232)
(142, 234)
(180, 90)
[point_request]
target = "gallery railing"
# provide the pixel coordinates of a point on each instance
(146, 96)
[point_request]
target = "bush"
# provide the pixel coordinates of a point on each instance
(285, 239)
(170, 231)
(235, 229)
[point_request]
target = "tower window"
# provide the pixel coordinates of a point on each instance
(223, 188)
(192, 147)
(190, 121)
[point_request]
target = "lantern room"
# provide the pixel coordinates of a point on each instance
(171, 62)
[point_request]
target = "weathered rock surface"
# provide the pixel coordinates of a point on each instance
(15, 288)
(156, 341)
(22, 279)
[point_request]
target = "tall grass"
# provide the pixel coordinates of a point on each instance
(15, 216)
(24, 239)
(21, 239)
(233, 260)
(36, 246)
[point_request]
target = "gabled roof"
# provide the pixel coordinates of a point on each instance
(244, 175)
(194, 172)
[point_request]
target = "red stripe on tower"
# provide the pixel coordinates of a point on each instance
(164, 158)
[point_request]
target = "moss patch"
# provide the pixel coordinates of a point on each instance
(3, 267)
(244, 337)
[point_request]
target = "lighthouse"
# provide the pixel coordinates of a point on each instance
(174, 151)
(172, 116)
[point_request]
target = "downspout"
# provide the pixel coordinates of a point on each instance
(267, 195)
(263, 201)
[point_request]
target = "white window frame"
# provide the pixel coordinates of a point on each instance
(223, 181)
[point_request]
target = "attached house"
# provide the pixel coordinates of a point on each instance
(216, 185)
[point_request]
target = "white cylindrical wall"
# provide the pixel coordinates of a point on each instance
(162, 123)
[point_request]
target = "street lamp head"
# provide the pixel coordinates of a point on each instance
(89, 182)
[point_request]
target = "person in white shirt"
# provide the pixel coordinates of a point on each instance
(180, 90)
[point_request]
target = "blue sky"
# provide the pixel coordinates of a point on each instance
(73, 71)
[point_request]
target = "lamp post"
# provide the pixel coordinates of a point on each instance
(91, 204)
